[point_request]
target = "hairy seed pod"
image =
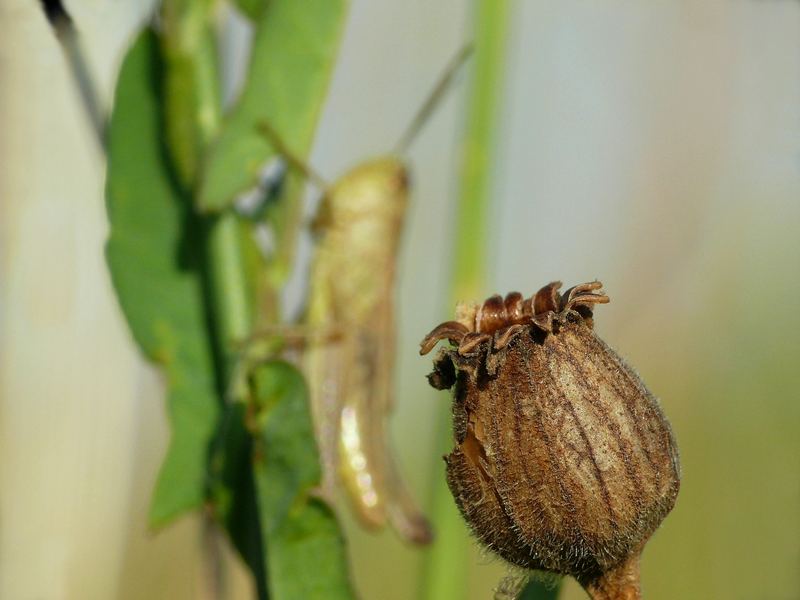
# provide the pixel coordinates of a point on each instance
(563, 461)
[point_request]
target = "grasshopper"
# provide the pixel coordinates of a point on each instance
(350, 351)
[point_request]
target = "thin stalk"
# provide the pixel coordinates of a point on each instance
(619, 583)
(229, 284)
(193, 112)
(492, 20)
(70, 41)
(444, 575)
(190, 45)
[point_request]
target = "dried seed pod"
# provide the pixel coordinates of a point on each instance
(563, 461)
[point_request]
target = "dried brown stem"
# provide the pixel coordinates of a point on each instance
(619, 583)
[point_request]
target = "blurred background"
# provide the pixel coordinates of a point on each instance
(654, 146)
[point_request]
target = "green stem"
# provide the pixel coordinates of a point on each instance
(228, 280)
(193, 116)
(445, 575)
(492, 19)
(196, 114)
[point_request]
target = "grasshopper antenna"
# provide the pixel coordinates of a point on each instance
(433, 99)
(69, 40)
(294, 161)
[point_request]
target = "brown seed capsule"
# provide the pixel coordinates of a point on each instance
(564, 461)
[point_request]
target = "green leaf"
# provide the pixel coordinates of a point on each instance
(306, 555)
(153, 253)
(251, 8)
(539, 590)
(292, 58)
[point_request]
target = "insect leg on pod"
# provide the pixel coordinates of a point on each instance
(358, 229)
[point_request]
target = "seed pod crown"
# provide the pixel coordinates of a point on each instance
(563, 460)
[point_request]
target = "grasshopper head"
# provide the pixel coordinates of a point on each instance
(376, 189)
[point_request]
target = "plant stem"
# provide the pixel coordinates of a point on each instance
(193, 114)
(444, 575)
(191, 46)
(229, 285)
(619, 583)
(491, 20)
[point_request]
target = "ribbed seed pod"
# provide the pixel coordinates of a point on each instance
(563, 461)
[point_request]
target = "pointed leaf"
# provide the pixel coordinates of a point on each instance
(251, 8)
(153, 253)
(292, 59)
(306, 556)
(540, 590)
